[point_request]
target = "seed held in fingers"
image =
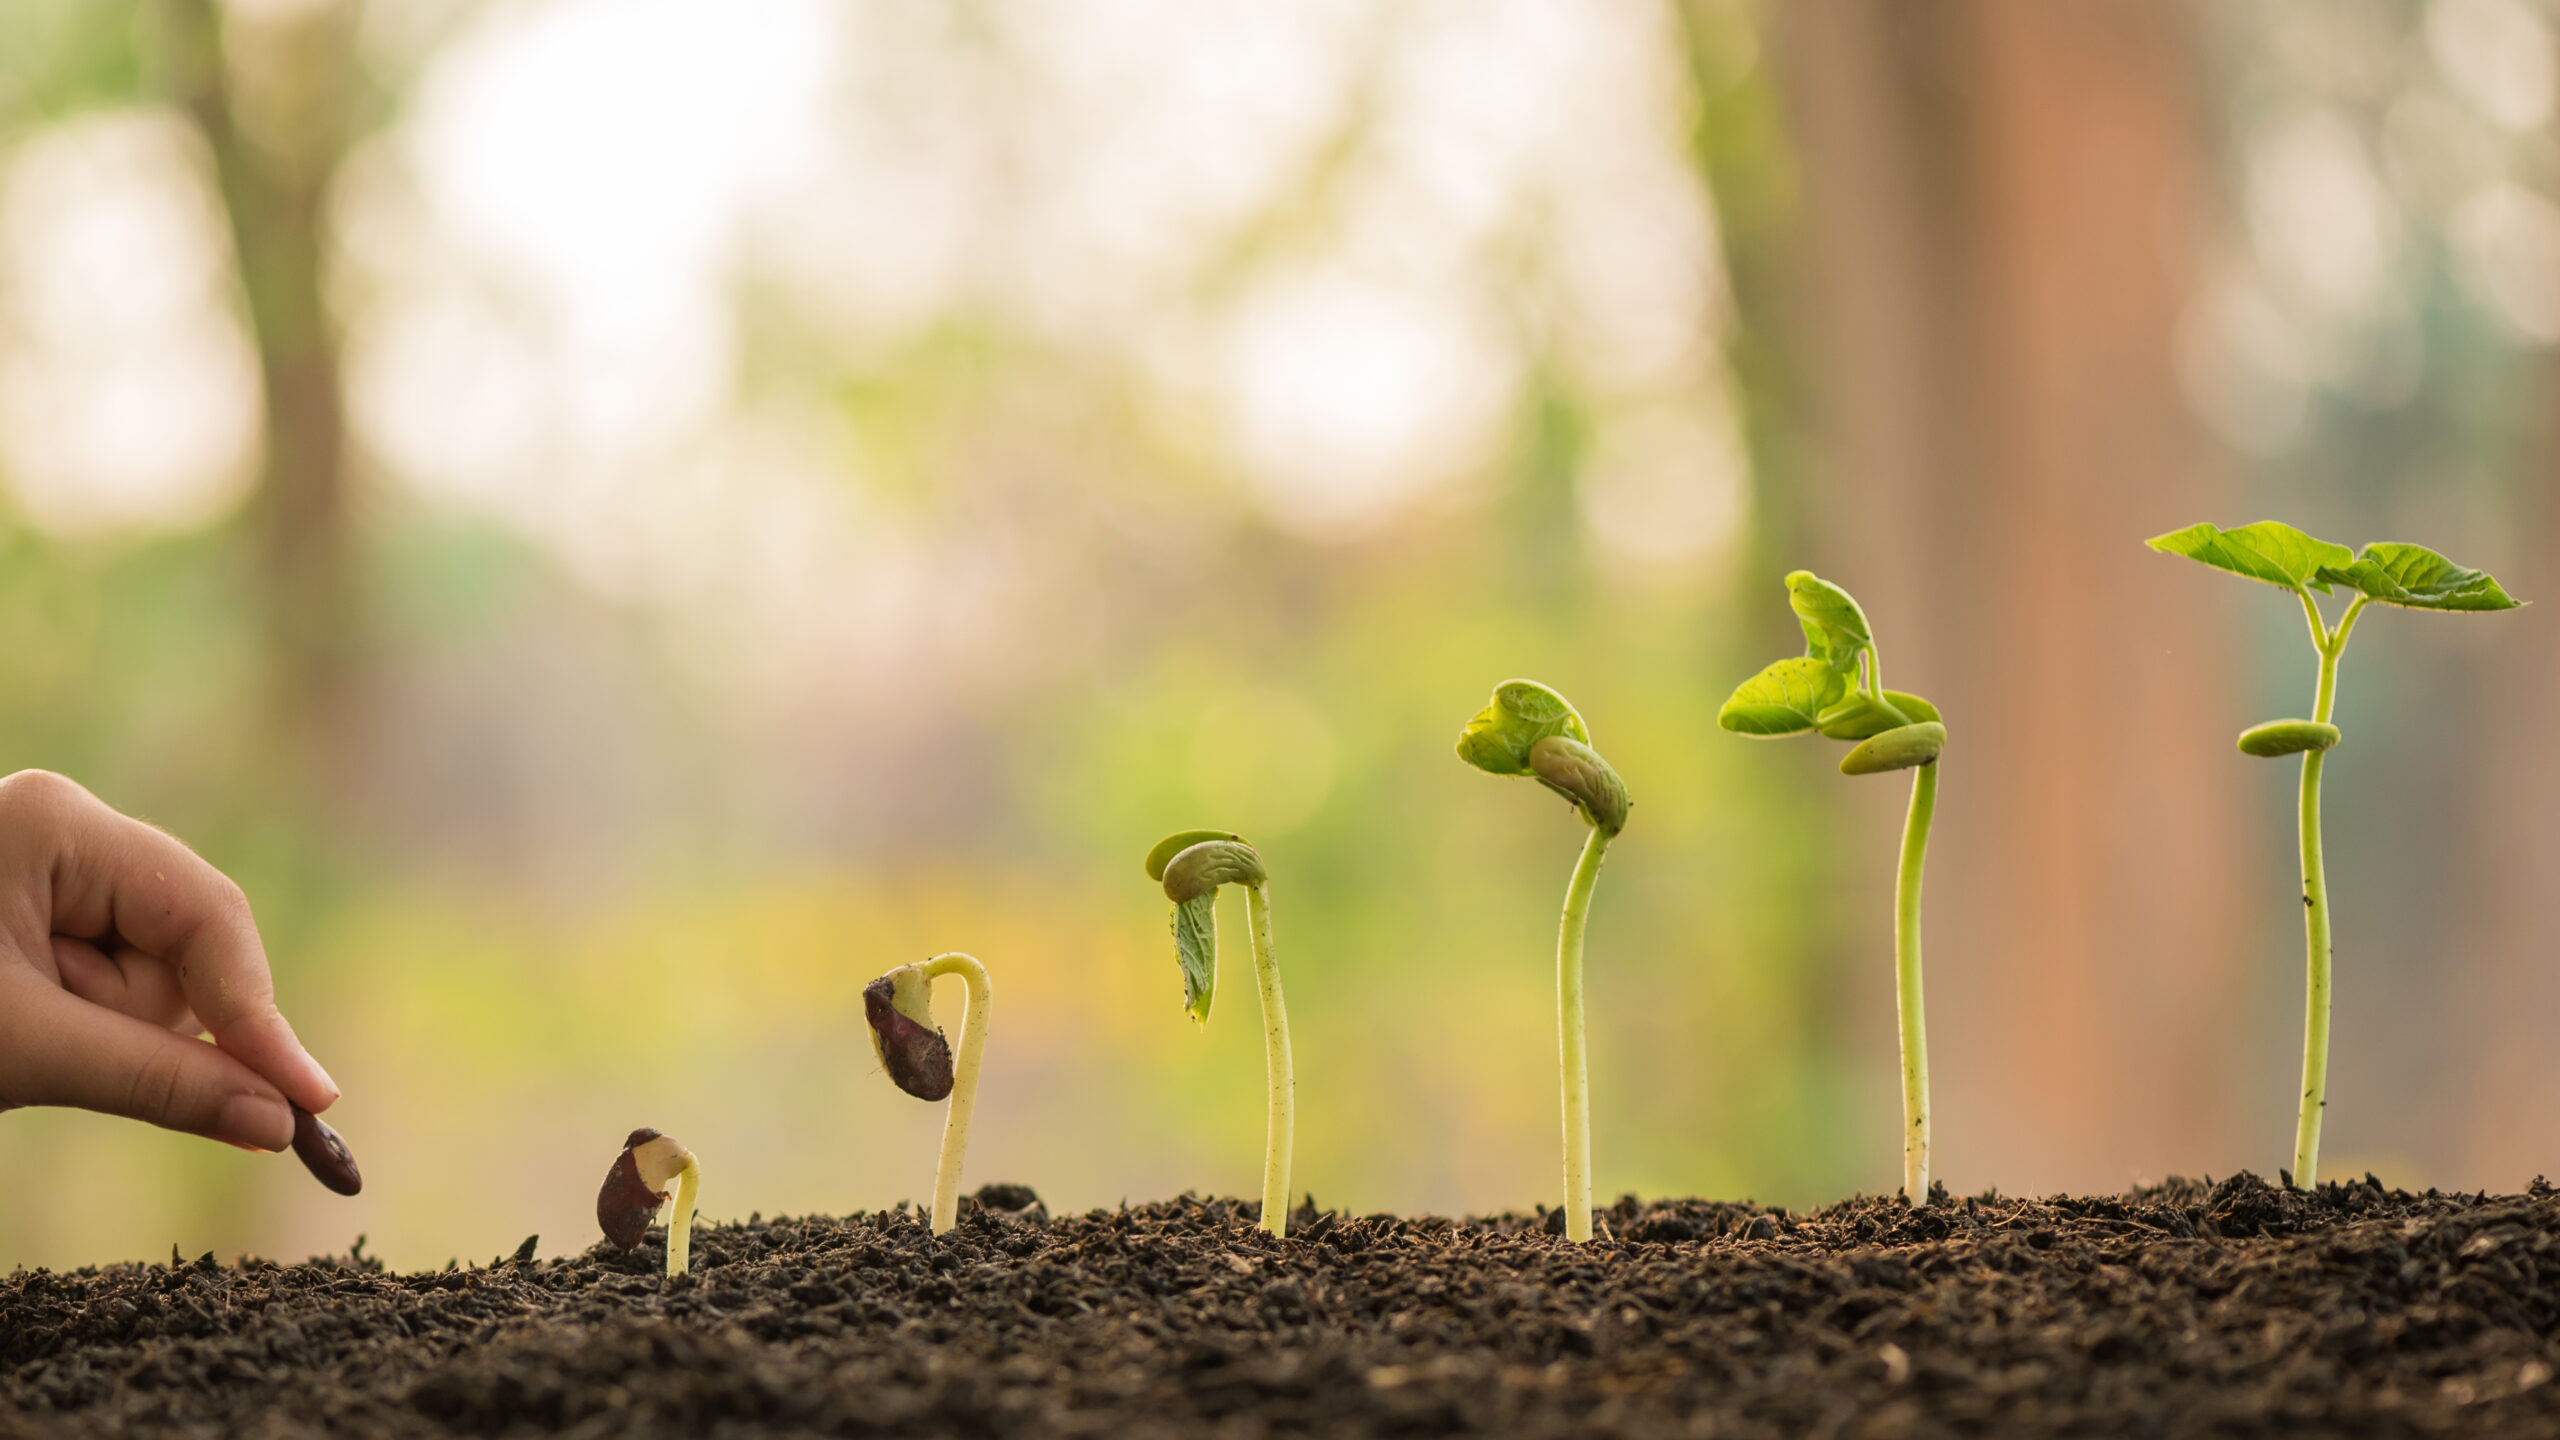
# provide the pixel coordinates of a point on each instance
(324, 1154)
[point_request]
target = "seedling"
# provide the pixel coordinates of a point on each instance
(1192, 864)
(323, 1153)
(636, 1187)
(1836, 690)
(899, 1006)
(1528, 729)
(2409, 576)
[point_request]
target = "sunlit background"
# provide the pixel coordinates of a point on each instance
(618, 522)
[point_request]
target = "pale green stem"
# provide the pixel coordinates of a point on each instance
(964, 1083)
(680, 1218)
(1906, 993)
(2315, 906)
(1280, 1129)
(1576, 1064)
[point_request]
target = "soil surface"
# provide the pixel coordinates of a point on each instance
(2193, 1309)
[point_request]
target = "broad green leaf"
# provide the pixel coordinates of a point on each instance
(1783, 699)
(1521, 713)
(2269, 551)
(2418, 578)
(1834, 627)
(1195, 946)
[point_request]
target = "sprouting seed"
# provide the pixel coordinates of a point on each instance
(899, 1008)
(636, 1187)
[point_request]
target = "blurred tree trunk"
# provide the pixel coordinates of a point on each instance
(2510, 1132)
(273, 94)
(2003, 200)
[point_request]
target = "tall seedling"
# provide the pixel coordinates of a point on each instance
(1529, 730)
(1836, 690)
(2409, 576)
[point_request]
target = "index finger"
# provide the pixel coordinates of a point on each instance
(108, 871)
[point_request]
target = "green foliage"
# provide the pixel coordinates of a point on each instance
(1522, 713)
(2417, 578)
(1818, 690)
(1192, 864)
(1787, 698)
(1195, 948)
(2410, 576)
(2270, 552)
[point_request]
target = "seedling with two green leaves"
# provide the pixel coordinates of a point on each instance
(2409, 576)
(1191, 865)
(1836, 690)
(1531, 731)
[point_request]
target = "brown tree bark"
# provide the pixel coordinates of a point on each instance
(2004, 199)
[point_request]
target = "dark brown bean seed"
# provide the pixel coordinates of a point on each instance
(324, 1154)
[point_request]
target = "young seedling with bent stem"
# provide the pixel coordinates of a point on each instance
(2409, 576)
(899, 1006)
(1836, 690)
(1530, 730)
(1192, 864)
(636, 1187)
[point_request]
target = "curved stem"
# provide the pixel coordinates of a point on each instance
(1906, 994)
(1574, 1061)
(1280, 1128)
(964, 1083)
(680, 1218)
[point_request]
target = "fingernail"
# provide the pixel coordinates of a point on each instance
(254, 1122)
(334, 1091)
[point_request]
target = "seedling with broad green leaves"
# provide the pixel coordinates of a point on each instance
(2409, 576)
(899, 1009)
(636, 1188)
(1191, 865)
(1530, 730)
(1836, 690)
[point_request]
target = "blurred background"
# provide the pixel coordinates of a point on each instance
(618, 522)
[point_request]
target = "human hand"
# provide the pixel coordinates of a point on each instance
(118, 947)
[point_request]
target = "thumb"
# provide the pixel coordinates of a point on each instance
(62, 1050)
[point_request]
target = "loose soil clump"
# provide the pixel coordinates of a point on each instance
(2191, 1309)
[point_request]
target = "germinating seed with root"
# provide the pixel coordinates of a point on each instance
(899, 1008)
(323, 1154)
(636, 1187)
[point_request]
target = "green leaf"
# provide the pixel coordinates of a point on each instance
(1783, 699)
(1195, 947)
(1521, 713)
(1859, 717)
(2418, 578)
(1834, 627)
(2269, 551)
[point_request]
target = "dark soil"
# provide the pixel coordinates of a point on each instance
(2189, 1310)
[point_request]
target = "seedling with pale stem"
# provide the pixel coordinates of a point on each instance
(1836, 690)
(2409, 576)
(899, 1006)
(1192, 864)
(636, 1187)
(1530, 730)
